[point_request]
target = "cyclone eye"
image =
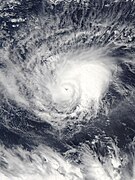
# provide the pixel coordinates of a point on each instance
(66, 89)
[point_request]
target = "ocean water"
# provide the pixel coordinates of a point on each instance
(67, 90)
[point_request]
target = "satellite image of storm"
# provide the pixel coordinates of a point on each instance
(67, 89)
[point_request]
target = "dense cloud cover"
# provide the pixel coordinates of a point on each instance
(67, 90)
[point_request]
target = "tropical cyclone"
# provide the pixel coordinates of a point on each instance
(69, 83)
(80, 80)
(65, 84)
